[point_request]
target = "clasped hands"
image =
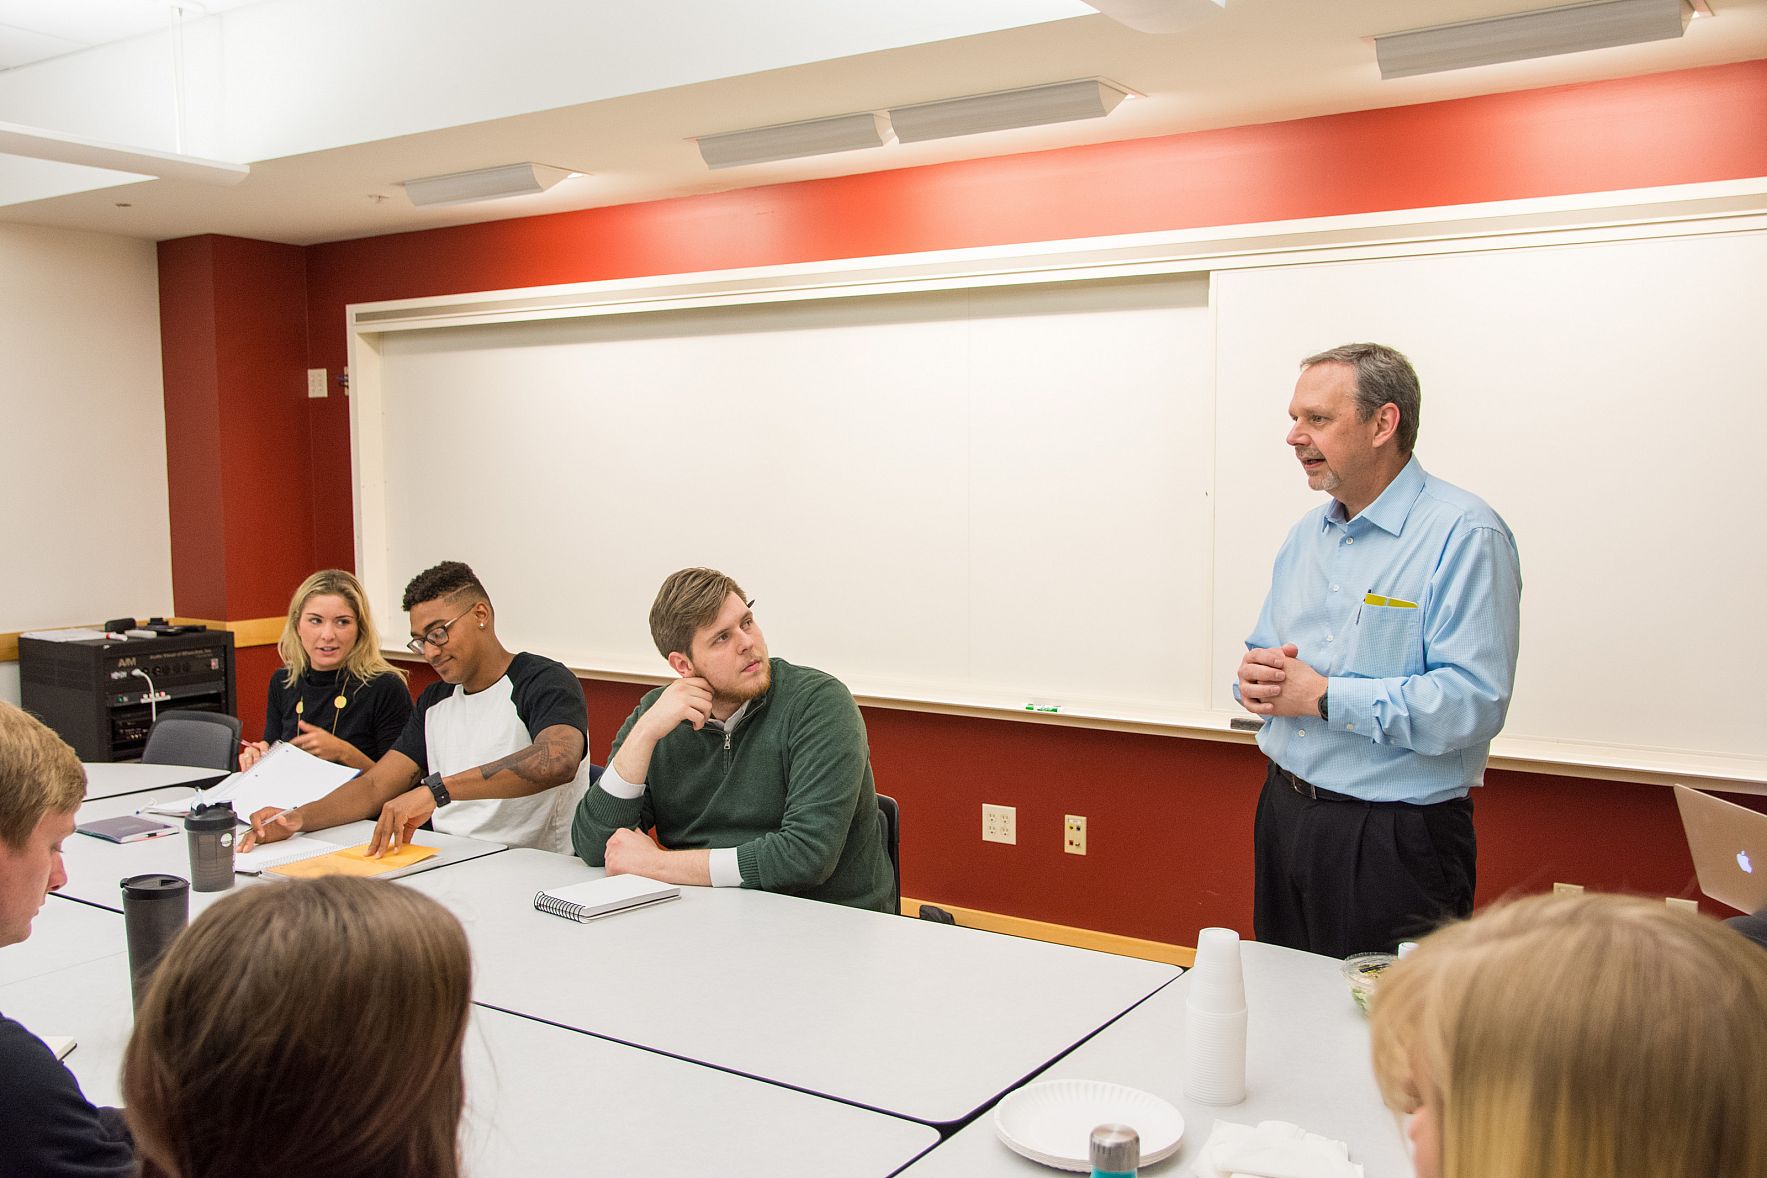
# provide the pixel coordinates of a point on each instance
(1273, 681)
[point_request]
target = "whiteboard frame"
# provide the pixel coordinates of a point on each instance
(1630, 215)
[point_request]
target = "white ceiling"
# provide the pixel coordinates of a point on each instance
(41, 30)
(1260, 61)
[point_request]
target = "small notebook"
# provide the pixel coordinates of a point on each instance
(351, 861)
(60, 1044)
(127, 829)
(594, 898)
(265, 856)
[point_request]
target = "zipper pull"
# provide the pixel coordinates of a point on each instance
(727, 740)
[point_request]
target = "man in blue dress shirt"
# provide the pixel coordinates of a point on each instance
(1383, 661)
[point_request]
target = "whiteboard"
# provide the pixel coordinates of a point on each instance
(991, 497)
(1605, 400)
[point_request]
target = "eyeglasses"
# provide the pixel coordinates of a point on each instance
(436, 636)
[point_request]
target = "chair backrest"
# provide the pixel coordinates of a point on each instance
(207, 740)
(889, 823)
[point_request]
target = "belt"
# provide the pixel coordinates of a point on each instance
(1310, 791)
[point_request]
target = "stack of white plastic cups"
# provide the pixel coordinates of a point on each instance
(1214, 1021)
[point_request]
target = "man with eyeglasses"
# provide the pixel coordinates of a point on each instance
(497, 750)
(753, 772)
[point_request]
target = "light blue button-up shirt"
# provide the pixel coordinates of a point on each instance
(1418, 689)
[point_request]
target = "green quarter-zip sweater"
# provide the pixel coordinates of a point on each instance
(789, 787)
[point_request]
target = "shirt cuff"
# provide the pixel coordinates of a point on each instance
(616, 786)
(722, 863)
(1352, 705)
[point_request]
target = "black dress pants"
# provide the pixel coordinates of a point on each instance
(1343, 876)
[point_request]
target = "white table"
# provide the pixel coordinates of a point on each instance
(108, 779)
(904, 1016)
(96, 867)
(540, 1099)
(65, 933)
(1306, 1061)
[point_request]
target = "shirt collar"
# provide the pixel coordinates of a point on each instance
(1392, 506)
(736, 718)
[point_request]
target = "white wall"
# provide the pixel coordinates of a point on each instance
(85, 530)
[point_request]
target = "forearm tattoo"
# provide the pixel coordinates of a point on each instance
(550, 760)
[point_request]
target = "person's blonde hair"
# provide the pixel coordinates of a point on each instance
(364, 661)
(1595, 1036)
(39, 774)
(312, 1027)
(689, 600)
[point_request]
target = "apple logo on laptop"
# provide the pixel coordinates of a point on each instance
(1742, 861)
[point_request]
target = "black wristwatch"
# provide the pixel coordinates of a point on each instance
(1324, 704)
(437, 789)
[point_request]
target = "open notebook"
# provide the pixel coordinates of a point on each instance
(594, 898)
(283, 777)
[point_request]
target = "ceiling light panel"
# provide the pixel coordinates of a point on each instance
(1003, 110)
(793, 140)
(1545, 32)
(458, 188)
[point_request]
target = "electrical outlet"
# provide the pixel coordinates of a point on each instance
(999, 824)
(1565, 889)
(1073, 834)
(1678, 902)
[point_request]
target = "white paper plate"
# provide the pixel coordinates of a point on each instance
(1052, 1122)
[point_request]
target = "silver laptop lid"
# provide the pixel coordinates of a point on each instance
(1729, 845)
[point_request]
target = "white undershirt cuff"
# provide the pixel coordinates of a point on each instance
(726, 873)
(614, 785)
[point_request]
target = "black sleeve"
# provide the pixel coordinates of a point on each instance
(546, 693)
(47, 1126)
(389, 709)
(411, 739)
(277, 707)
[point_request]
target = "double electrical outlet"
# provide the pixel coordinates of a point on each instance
(1000, 825)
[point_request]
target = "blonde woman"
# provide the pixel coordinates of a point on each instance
(1595, 1036)
(262, 1046)
(335, 695)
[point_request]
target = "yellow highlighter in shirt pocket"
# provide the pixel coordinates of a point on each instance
(1389, 602)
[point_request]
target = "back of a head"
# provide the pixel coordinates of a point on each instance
(1597, 1036)
(39, 774)
(307, 1028)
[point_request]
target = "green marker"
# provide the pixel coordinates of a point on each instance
(1042, 708)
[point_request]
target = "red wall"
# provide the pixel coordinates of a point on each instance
(1169, 820)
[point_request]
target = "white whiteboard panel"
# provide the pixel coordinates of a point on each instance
(996, 497)
(1605, 400)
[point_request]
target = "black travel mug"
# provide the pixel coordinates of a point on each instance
(155, 908)
(209, 830)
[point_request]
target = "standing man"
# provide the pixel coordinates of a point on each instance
(497, 750)
(754, 772)
(47, 1126)
(1383, 659)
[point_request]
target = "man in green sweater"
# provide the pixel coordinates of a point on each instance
(754, 772)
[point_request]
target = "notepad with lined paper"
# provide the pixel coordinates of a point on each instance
(350, 861)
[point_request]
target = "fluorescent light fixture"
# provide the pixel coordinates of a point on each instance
(458, 188)
(1158, 16)
(1033, 106)
(1544, 32)
(789, 141)
(39, 144)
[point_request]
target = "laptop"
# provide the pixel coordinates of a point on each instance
(1729, 845)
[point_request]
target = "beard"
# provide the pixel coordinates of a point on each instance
(753, 687)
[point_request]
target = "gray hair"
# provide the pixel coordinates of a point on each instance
(1383, 375)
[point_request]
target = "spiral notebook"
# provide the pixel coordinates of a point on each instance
(594, 898)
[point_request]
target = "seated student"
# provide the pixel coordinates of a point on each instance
(335, 695)
(1595, 1036)
(229, 1075)
(47, 1126)
(497, 750)
(754, 772)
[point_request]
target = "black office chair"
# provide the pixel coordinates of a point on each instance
(889, 816)
(207, 740)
